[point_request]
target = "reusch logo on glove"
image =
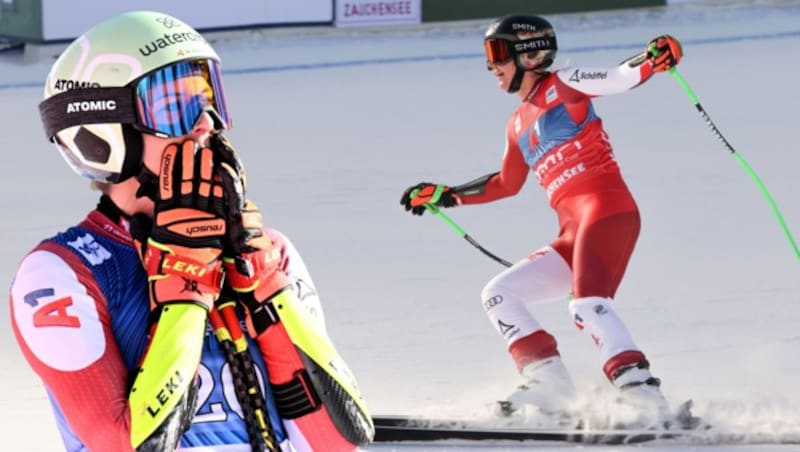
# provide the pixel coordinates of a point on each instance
(201, 229)
(166, 174)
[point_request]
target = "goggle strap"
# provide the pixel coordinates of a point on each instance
(87, 106)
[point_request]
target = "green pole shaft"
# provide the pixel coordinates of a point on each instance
(438, 212)
(772, 204)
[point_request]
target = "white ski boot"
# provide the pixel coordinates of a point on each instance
(640, 403)
(548, 389)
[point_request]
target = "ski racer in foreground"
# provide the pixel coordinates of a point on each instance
(113, 313)
(556, 134)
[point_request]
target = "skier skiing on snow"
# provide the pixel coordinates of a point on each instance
(557, 135)
(112, 313)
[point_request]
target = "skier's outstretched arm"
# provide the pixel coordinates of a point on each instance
(491, 187)
(594, 82)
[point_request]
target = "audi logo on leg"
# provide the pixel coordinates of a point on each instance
(492, 302)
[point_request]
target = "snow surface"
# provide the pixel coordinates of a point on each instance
(334, 124)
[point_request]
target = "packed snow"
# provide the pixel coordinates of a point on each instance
(334, 124)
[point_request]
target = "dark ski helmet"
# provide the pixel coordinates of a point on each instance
(529, 40)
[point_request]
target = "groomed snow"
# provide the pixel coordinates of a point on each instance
(333, 125)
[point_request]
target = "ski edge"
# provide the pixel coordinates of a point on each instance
(402, 428)
(394, 428)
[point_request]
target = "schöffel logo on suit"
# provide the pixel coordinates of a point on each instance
(577, 76)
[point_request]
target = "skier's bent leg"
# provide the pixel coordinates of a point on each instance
(624, 364)
(596, 317)
(543, 276)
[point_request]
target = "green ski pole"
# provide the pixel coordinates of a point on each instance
(438, 212)
(773, 205)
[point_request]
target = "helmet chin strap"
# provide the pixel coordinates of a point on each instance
(516, 81)
(148, 183)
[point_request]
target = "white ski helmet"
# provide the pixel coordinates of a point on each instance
(139, 72)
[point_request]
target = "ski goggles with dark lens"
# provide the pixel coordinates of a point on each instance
(171, 100)
(500, 50)
(497, 50)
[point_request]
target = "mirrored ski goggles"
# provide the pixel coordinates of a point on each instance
(167, 102)
(171, 100)
(499, 50)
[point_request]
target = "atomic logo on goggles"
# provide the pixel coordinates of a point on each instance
(91, 105)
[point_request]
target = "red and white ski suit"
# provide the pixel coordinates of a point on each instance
(556, 135)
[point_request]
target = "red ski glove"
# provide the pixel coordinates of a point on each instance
(181, 247)
(665, 52)
(415, 198)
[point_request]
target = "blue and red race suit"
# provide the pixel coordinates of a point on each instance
(80, 309)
